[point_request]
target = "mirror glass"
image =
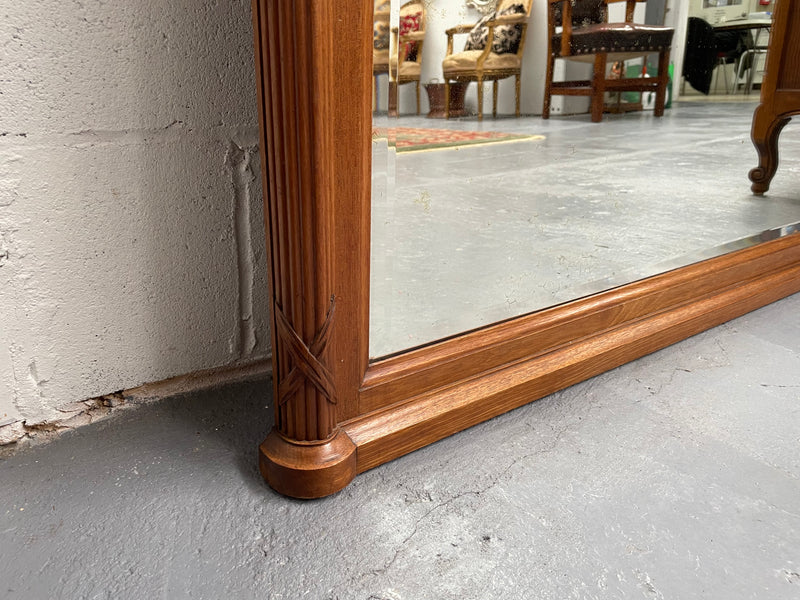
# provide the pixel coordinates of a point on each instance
(475, 220)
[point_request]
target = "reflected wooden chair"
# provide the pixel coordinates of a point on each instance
(406, 60)
(380, 44)
(585, 35)
(493, 51)
(751, 60)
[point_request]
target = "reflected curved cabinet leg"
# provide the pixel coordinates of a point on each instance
(765, 132)
(306, 455)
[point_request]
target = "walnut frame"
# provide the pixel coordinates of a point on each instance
(337, 414)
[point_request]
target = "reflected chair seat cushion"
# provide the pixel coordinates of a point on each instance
(380, 61)
(407, 69)
(616, 37)
(468, 60)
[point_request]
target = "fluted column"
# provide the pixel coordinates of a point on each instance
(305, 455)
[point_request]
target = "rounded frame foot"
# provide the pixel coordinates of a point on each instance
(307, 470)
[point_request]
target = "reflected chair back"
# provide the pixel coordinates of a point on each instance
(579, 30)
(409, 40)
(493, 51)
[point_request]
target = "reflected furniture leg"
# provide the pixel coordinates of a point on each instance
(548, 84)
(392, 105)
(663, 81)
(598, 85)
(780, 92)
(765, 133)
(494, 99)
(446, 98)
(480, 99)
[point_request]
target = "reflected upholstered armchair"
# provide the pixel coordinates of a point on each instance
(493, 51)
(380, 42)
(585, 35)
(406, 61)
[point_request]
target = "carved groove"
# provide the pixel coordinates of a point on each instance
(296, 87)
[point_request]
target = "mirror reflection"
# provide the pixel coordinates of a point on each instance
(508, 176)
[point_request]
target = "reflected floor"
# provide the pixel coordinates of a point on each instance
(471, 235)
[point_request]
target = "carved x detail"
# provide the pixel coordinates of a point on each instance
(305, 358)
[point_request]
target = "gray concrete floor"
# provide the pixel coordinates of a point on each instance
(471, 235)
(676, 476)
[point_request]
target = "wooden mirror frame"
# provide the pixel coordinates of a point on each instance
(337, 414)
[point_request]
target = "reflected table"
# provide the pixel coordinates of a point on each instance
(757, 29)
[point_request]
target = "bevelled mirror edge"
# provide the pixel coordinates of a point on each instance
(316, 168)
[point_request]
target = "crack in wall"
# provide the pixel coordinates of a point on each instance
(12, 350)
(239, 161)
(168, 131)
(5, 252)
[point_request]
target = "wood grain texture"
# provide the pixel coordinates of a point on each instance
(780, 92)
(789, 25)
(294, 88)
(307, 471)
(469, 355)
(352, 155)
(298, 71)
(335, 413)
(409, 425)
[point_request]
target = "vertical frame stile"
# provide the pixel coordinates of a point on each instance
(351, 121)
(305, 455)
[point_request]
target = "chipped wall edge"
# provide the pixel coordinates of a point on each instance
(18, 434)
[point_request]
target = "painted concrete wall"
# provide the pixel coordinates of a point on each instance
(131, 236)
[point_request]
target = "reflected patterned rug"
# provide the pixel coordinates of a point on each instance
(415, 139)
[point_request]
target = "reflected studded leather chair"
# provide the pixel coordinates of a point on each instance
(406, 61)
(493, 51)
(587, 36)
